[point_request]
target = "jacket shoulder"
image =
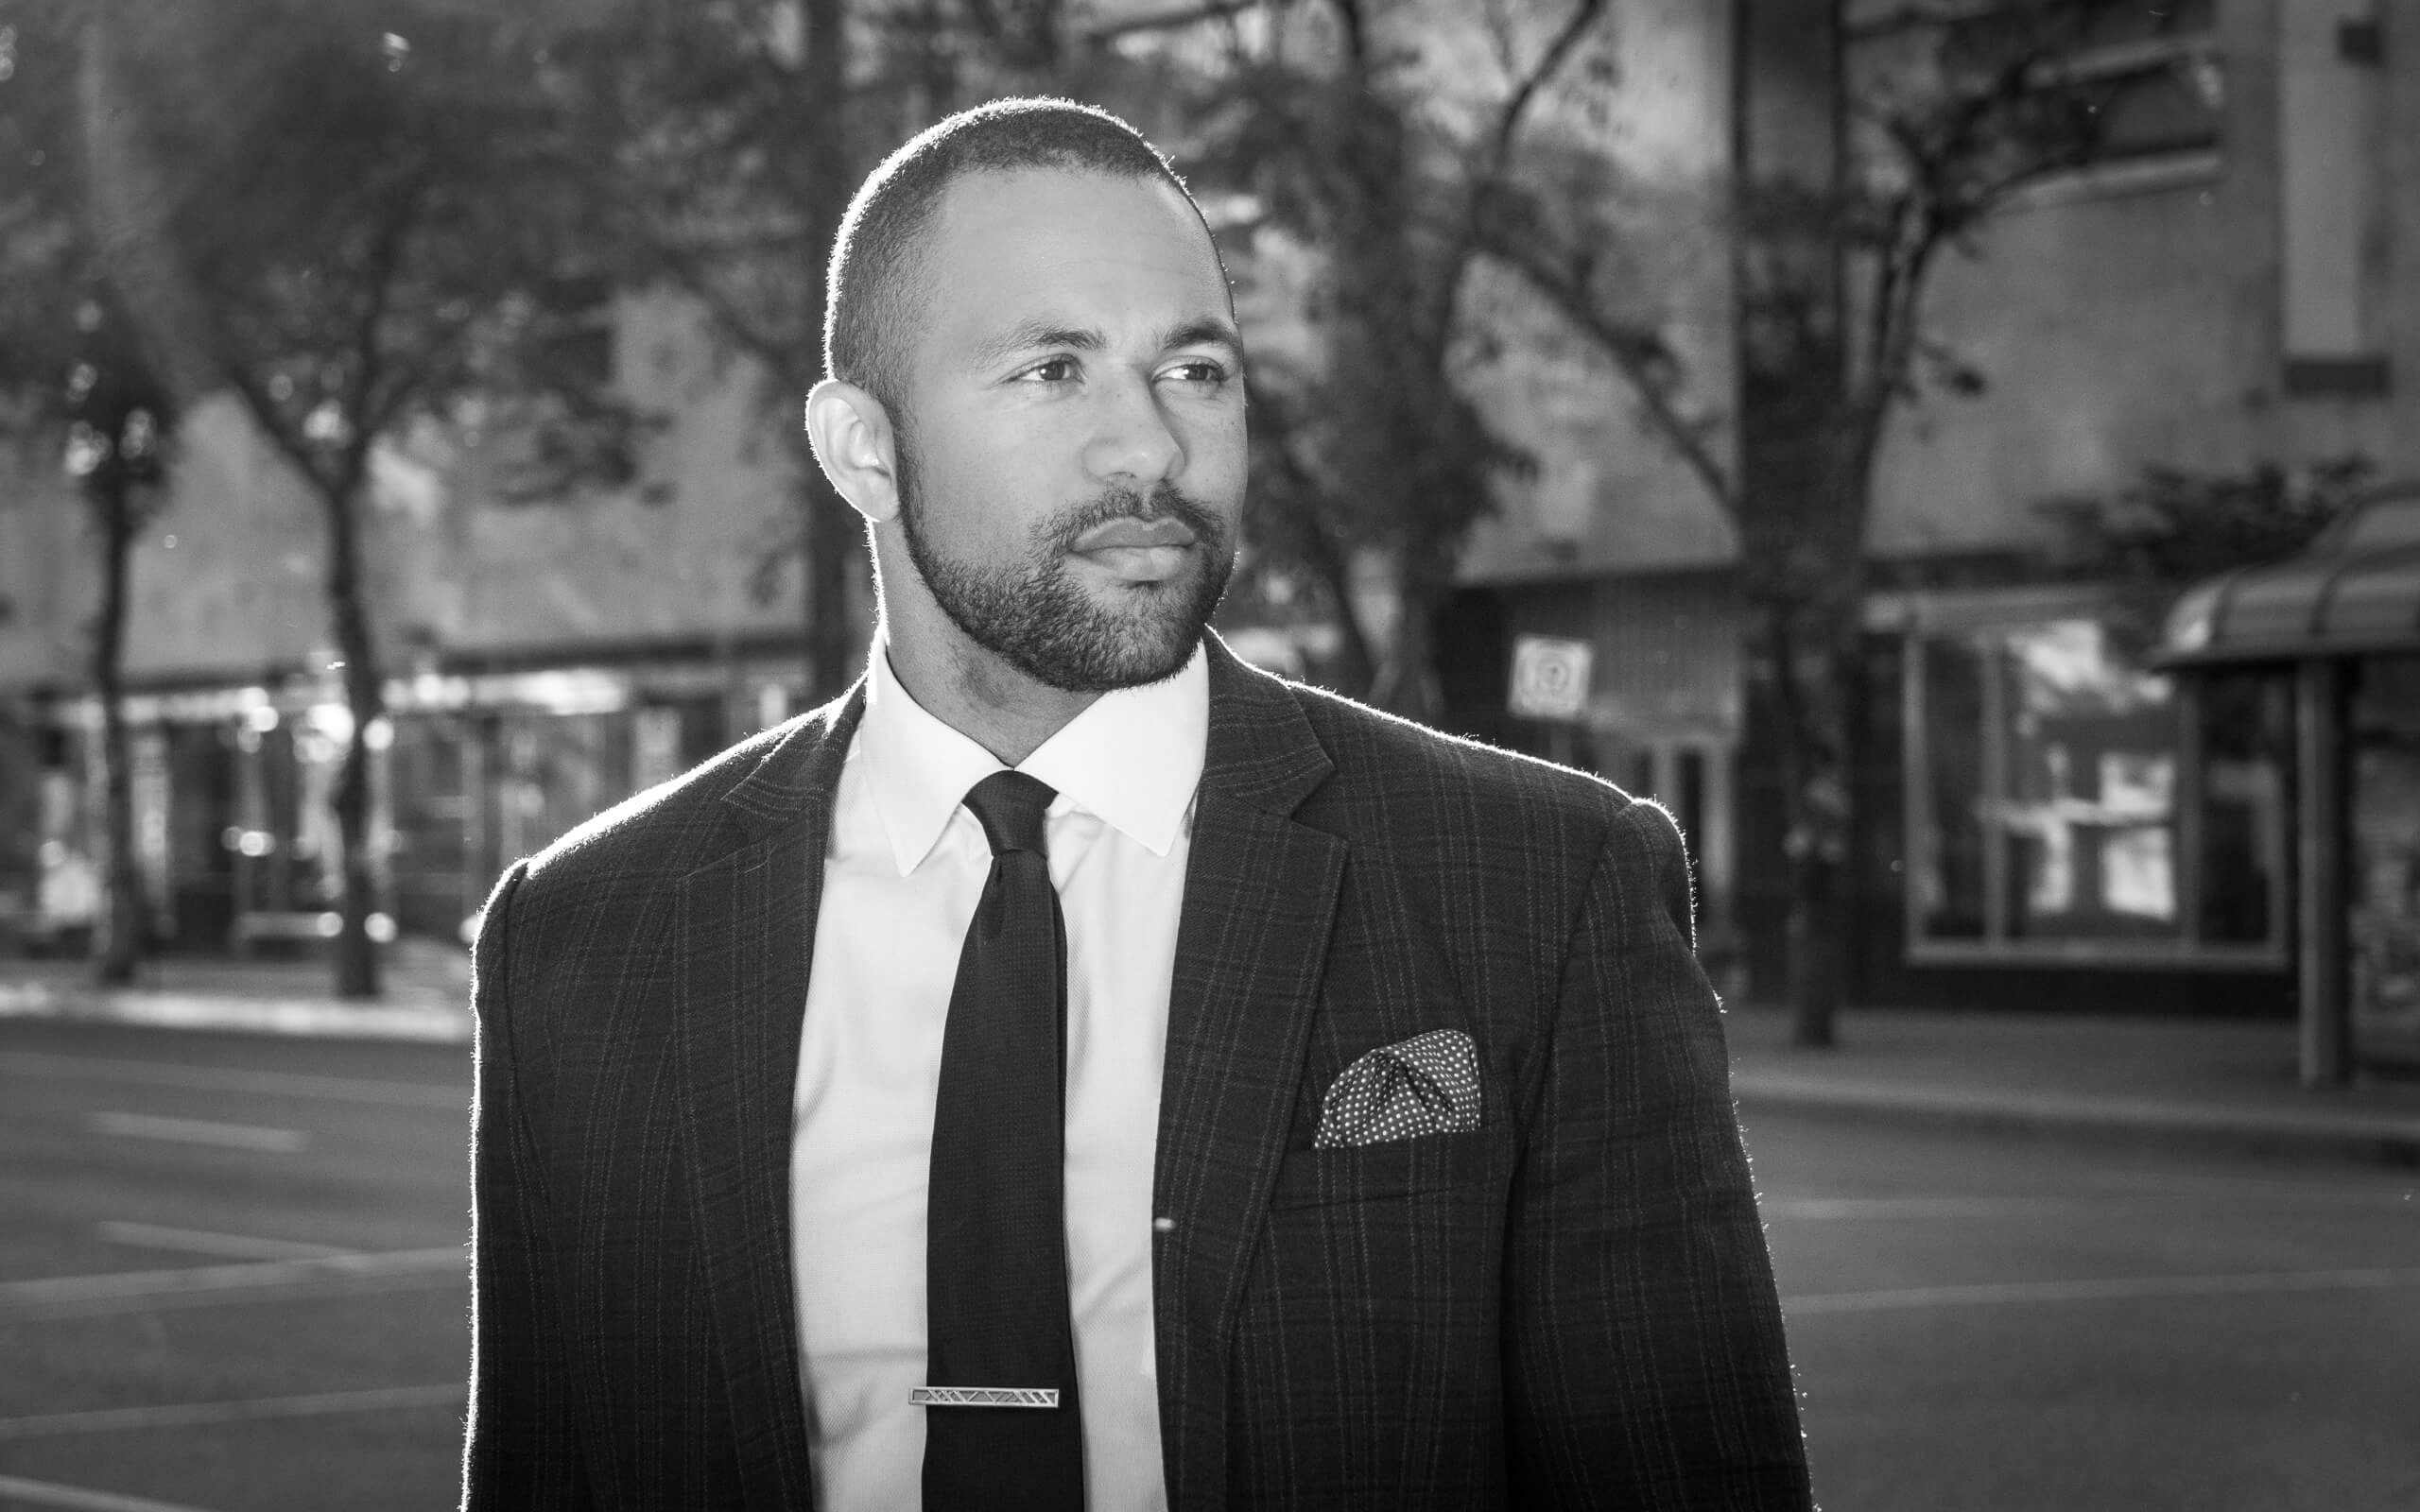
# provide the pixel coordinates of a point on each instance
(1376, 753)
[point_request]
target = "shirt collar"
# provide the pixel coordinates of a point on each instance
(1132, 759)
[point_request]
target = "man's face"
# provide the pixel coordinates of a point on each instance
(1070, 446)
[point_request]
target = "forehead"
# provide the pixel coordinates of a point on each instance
(1077, 248)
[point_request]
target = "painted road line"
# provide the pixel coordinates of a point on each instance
(2336, 1186)
(233, 1079)
(17, 1489)
(141, 1291)
(2110, 1289)
(202, 1242)
(208, 1413)
(196, 1131)
(1825, 1210)
(1822, 1210)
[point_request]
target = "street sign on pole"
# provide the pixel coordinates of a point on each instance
(1549, 676)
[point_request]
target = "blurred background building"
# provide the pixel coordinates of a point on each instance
(2213, 300)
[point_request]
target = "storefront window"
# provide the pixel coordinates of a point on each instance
(2067, 803)
(2385, 861)
(2246, 733)
(1949, 879)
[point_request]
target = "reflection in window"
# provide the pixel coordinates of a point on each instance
(2090, 802)
(2057, 808)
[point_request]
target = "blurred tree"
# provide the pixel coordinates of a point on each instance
(2172, 527)
(75, 383)
(1372, 453)
(1950, 114)
(720, 161)
(726, 141)
(355, 216)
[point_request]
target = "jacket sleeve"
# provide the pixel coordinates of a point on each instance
(1645, 1361)
(521, 1450)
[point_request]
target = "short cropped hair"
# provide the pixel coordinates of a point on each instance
(872, 287)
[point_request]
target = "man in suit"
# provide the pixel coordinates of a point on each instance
(1075, 1069)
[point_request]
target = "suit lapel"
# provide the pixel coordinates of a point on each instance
(746, 923)
(1259, 896)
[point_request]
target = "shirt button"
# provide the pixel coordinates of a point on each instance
(1164, 1226)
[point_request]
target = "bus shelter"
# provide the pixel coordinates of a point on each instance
(2342, 619)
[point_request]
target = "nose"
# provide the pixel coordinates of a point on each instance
(1131, 441)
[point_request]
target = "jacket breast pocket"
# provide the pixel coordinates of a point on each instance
(1424, 1163)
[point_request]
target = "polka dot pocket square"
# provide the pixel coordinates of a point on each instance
(1428, 1084)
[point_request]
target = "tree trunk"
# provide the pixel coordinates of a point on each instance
(831, 529)
(1406, 683)
(832, 537)
(128, 203)
(1813, 647)
(356, 954)
(125, 921)
(1354, 668)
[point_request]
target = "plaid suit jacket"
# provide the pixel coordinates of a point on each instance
(1570, 1306)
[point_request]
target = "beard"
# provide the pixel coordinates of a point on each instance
(1030, 611)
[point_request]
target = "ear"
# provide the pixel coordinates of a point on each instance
(856, 447)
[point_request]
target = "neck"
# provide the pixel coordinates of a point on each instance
(982, 698)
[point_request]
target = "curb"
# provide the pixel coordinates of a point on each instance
(316, 1017)
(2381, 1140)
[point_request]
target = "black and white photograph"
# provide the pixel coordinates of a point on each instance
(1178, 755)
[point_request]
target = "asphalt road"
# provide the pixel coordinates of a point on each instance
(231, 1279)
(1992, 1323)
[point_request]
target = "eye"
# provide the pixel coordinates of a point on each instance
(1205, 370)
(1052, 371)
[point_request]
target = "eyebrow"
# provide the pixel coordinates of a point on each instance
(1030, 334)
(1204, 330)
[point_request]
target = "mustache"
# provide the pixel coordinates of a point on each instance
(1164, 501)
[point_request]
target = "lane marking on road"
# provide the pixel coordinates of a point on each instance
(1822, 1210)
(203, 1241)
(199, 1131)
(43, 1493)
(2333, 1186)
(2107, 1289)
(205, 1414)
(233, 1079)
(1828, 1209)
(141, 1291)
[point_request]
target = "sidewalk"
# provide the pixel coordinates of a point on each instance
(2216, 1083)
(2199, 1083)
(427, 996)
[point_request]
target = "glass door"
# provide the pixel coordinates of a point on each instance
(2383, 906)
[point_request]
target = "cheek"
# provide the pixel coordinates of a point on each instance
(1216, 463)
(982, 503)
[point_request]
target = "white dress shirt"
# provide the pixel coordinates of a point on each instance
(902, 875)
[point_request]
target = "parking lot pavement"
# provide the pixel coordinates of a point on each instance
(233, 1276)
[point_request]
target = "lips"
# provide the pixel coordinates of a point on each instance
(1132, 533)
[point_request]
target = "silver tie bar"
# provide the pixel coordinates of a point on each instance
(982, 1397)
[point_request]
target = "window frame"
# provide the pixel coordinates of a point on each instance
(2179, 166)
(1920, 617)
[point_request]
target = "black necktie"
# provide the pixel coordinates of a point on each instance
(1001, 1425)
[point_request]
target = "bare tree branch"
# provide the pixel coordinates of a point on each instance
(1107, 32)
(1637, 355)
(1469, 237)
(1516, 105)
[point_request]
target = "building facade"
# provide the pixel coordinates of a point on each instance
(2230, 288)
(2047, 817)
(544, 660)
